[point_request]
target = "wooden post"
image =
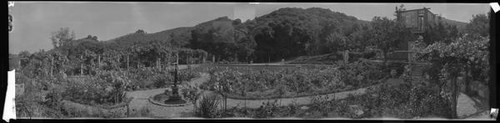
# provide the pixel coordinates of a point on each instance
(157, 63)
(51, 66)
(467, 79)
(346, 56)
(236, 57)
(128, 110)
(98, 61)
(127, 62)
(454, 96)
(81, 66)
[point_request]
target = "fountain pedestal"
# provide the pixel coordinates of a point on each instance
(175, 98)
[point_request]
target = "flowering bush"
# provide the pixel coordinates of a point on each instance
(106, 87)
(157, 78)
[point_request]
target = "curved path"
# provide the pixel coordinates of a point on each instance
(297, 100)
(140, 100)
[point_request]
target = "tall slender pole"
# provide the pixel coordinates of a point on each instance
(98, 61)
(51, 66)
(127, 62)
(81, 65)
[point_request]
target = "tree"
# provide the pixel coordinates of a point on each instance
(387, 34)
(92, 37)
(456, 57)
(440, 32)
(62, 37)
(140, 31)
(479, 25)
(337, 41)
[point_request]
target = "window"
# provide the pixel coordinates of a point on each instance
(421, 25)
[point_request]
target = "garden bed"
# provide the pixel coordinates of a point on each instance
(253, 83)
(397, 101)
(258, 95)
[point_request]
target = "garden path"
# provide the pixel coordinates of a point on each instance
(465, 104)
(467, 108)
(140, 100)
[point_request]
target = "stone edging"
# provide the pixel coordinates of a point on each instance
(150, 99)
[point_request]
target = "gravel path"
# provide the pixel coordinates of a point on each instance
(140, 100)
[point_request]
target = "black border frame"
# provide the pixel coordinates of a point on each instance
(492, 83)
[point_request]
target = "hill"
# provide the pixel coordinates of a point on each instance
(178, 36)
(282, 34)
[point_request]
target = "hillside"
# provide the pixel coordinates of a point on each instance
(178, 36)
(282, 34)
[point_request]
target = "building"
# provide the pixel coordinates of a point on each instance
(418, 21)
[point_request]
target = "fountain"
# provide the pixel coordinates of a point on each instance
(175, 98)
(168, 98)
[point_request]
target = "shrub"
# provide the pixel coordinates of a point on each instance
(208, 107)
(267, 109)
(106, 87)
(416, 101)
(161, 81)
(142, 112)
(192, 94)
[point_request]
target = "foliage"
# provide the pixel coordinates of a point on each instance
(62, 37)
(417, 101)
(440, 32)
(328, 59)
(33, 104)
(267, 109)
(464, 51)
(104, 89)
(143, 112)
(387, 34)
(274, 82)
(208, 107)
(479, 25)
(192, 93)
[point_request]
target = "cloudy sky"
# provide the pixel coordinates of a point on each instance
(34, 21)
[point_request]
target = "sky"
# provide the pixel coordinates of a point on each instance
(33, 22)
